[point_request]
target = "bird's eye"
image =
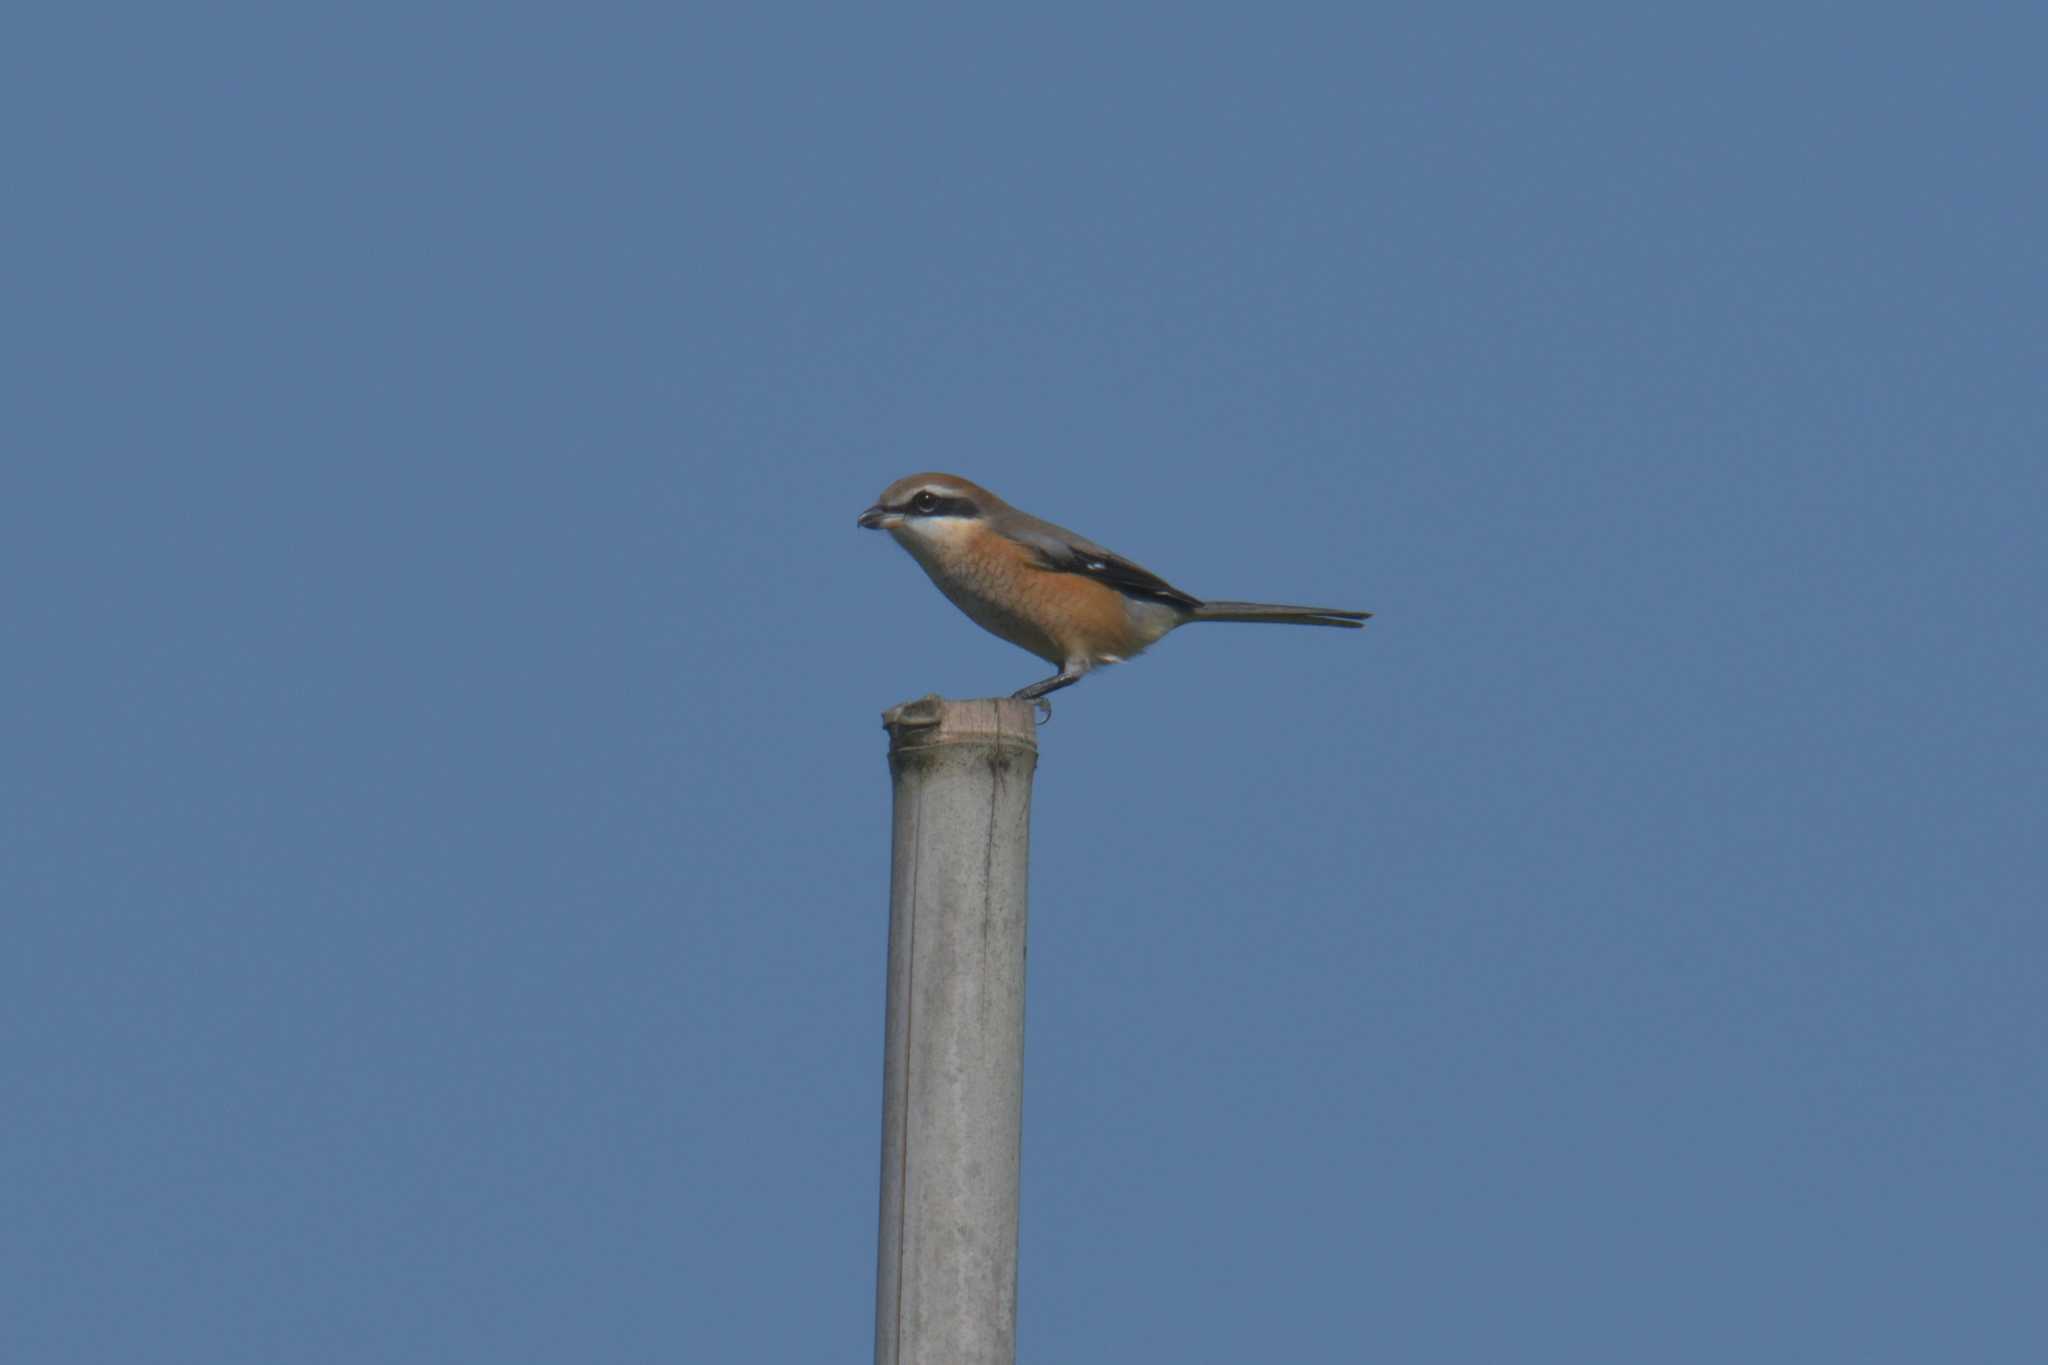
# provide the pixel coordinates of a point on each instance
(927, 501)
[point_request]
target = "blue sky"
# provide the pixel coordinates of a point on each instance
(444, 854)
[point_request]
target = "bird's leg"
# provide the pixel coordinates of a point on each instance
(1066, 677)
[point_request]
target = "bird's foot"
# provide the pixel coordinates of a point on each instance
(1035, 694)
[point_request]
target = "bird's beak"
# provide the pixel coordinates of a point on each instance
(878, 518)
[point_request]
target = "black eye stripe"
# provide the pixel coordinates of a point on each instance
(929, 504)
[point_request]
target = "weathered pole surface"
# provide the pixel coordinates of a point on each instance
(952, 1097)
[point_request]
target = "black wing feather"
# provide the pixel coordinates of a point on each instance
(1064, 552)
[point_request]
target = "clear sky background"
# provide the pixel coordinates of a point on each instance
(445, 831)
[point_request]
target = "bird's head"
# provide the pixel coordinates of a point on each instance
(929, 506)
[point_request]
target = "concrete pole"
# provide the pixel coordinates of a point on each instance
(952, 1076)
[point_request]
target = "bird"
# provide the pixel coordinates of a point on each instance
(1045, 589)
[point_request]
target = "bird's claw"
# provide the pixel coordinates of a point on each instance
(1037, 700)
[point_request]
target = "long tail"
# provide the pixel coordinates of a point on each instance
(1270, 611)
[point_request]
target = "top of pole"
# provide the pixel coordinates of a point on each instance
(933, 721)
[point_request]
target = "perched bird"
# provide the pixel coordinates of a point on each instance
(1045, 589)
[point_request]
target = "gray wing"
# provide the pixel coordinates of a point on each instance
(1062, 551)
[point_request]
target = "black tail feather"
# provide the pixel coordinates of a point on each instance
(1273, 612)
